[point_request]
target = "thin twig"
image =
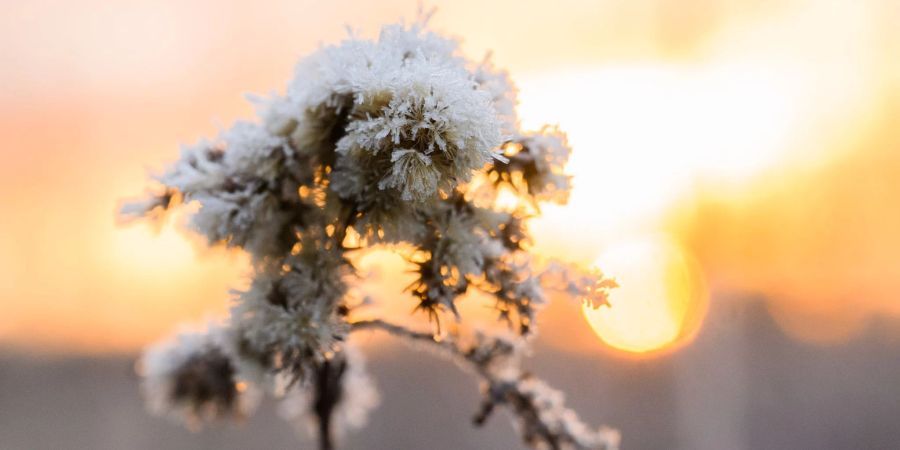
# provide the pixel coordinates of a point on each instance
(510, 391)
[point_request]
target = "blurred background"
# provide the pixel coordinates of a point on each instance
(737, 170)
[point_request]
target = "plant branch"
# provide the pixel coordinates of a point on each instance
(538, 408)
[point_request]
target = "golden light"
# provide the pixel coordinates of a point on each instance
(661, 300)
(704, 109)
(644, 132)
(643, 135)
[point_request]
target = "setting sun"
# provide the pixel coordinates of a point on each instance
(627, 176)
(661, 299)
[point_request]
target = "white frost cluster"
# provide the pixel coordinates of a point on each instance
(291, 320)
(244, 183)
(535, 165)
(191, 378)
(559, 420)
(503, 95)
(411, 109)
(548, 151)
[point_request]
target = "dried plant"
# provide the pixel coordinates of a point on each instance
(400, 140)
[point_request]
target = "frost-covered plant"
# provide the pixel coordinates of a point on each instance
(400, 140)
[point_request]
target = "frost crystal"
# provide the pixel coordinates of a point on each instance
(398, 140)
(193, 378)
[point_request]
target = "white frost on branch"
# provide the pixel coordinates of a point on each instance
(192, 378)
(398, 140)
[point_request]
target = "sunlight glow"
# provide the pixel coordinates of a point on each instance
(661, 299)
(644, 136)
(761, 138)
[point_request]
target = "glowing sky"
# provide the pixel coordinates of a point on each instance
(760, 136)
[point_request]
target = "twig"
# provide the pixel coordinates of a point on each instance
(538, 408)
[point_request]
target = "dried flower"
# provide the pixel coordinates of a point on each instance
(383, 141)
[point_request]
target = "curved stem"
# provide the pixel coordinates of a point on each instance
(525, 396)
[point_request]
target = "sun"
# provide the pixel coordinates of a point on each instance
(645, 137)
(660, 301)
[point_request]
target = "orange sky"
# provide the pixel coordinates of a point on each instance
(764, 139)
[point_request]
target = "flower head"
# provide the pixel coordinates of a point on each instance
(193, 378)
